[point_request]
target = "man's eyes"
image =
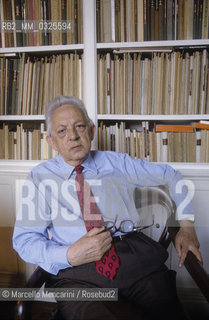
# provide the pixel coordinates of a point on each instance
(78, 127)
(61, 131)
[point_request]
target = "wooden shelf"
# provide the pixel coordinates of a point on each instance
(135, 117)
(121, 117)
(40, 49)
(22, 118)
(152, 45)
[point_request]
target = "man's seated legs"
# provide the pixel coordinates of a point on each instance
(142, 279)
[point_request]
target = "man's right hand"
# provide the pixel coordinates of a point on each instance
(91, 247)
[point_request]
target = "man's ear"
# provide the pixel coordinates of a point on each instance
(51, 142)
(92, 132)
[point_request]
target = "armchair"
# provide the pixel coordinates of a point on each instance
(144, 198)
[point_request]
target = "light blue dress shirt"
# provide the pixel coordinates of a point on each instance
(49, 218)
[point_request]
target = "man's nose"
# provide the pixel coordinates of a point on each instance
(72, 134)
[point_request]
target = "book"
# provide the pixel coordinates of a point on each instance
(99, 84)
(169, 20)
(108, 88)
(98, 22)
(204, 146)
(64, 18)
(167, 86)
(175, 19)
(70, 17)
(145, 19)
(173, 128)
(164, 146)
(189, 109)
(18, 142)
(122, 21)
(31, 16)
(45, 15)
(161, 20)
(37, 17)
(6, 141)
(6, 81)
(140, 21)
(24, 21)
(188, 19)
(196, 82)
(14, 87)
(152, 20)
(156, 19)
(20, 84)
(1, 84)
(2, 18)
(33, 88)
(205, 20)
(13, 18)
(179, 85)
(200, 125)
(25, 85)
(204, 121)
(203, 82)
(198, 146)
(107, 19)
(55, 6)
(137, 83)
(165, 20)
(29, 86)
(41, 86)
(199, 18)
(130, 21)
(36, 85)
(36, 148)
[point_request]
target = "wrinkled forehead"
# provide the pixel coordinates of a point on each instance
(68, 112)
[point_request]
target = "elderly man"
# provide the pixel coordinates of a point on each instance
(62, 224)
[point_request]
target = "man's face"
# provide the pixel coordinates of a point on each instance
(71, 134)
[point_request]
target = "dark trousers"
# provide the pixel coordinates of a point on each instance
(146, 287)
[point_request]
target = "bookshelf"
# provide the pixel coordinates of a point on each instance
(116, 121)
(90, 49)
(86, 49)
(16, 170)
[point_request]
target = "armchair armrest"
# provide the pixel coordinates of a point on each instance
(193, 266)
(36, 280)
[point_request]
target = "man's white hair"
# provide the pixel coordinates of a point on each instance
(60, 101)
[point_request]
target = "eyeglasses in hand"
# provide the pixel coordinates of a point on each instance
(126, 226)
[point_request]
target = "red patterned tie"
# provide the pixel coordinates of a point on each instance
(109, 263)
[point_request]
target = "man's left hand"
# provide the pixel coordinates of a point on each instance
(186, 240)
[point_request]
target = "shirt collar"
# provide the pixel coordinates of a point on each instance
(67, 170)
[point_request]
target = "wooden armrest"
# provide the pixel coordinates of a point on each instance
(36, 280)
(38, 277)
(194, 267)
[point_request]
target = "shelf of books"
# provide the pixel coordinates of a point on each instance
(24, 141)
(27, 85)
(30, 82)
(158, 142)
(136, 64)
(151, 20)
(152, 104)
(39, 23)
(153, 78)
(153, 83)
(41, 56)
